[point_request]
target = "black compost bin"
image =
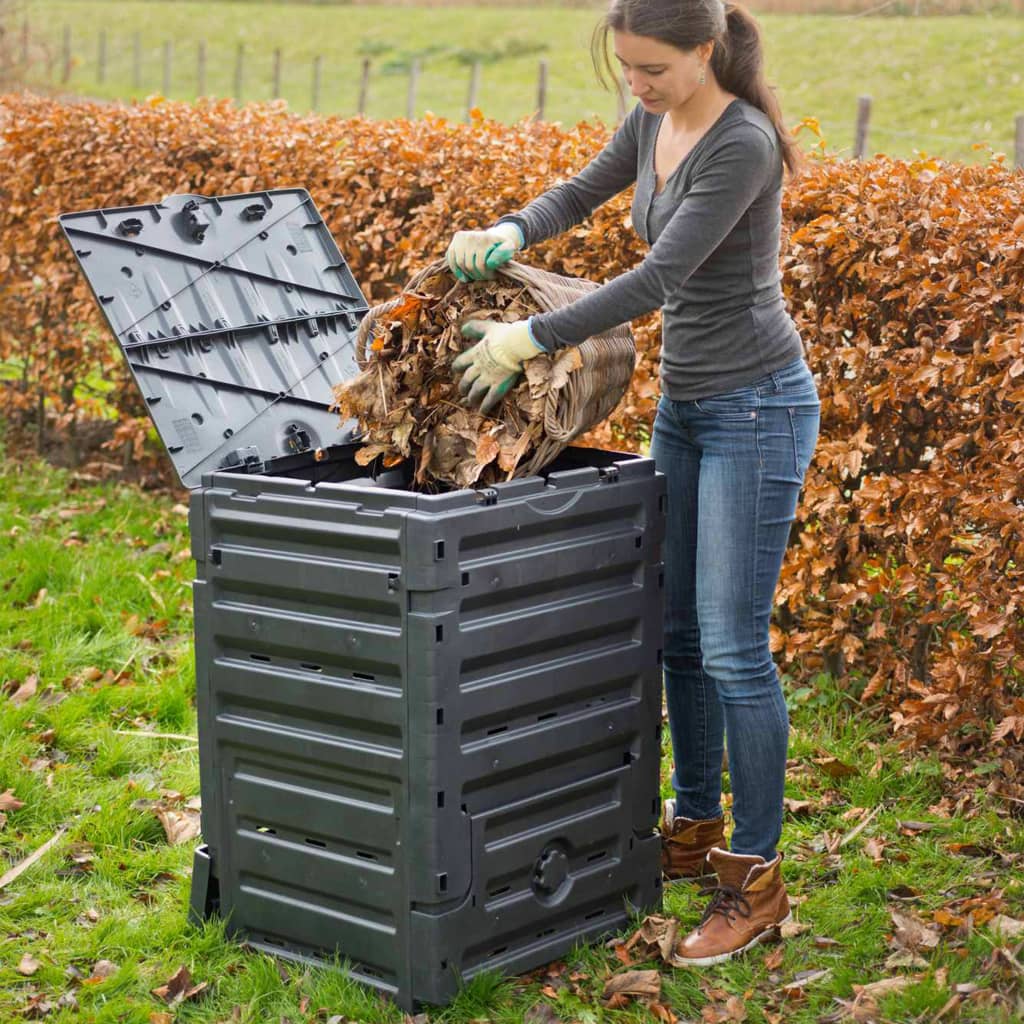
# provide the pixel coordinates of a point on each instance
(428, 724)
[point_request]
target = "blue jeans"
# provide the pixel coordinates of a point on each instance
(734, 465)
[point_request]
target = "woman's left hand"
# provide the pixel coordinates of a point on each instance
(491, 366)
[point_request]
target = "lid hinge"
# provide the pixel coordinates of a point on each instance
(245, 458)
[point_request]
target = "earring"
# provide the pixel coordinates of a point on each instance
(703, 75)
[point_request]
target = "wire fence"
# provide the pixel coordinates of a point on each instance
(127, 65)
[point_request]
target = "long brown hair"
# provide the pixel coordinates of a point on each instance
(737, 59)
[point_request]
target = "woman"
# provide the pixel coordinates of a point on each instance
(735, 427)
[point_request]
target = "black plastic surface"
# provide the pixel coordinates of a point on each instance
(429, 725)
(236, 314)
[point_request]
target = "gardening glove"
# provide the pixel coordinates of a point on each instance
(474, 255)
(491, 366)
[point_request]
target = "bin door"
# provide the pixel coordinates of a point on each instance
(237, 316)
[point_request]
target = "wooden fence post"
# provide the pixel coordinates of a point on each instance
(860, 141)
(364, 85)
(239, 61)
(474, 88)
(542, 89)
(414, 77)
(167, 67)
(201, 70)
(101, 57)
(276, 85)
(317, 72)
(66, 71)
(137, 60)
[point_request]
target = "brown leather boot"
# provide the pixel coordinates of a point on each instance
(685, 843)
(747, 906)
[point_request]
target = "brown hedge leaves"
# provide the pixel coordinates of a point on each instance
(906, 279)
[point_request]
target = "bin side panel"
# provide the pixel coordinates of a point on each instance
(303, 649)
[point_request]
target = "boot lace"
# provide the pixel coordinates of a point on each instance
(725, 900)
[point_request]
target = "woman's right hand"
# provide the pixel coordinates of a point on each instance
(475, 255)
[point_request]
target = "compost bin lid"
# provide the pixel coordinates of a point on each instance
(237, 315)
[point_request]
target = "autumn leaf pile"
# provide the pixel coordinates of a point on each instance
(905, 573)
(407, 400)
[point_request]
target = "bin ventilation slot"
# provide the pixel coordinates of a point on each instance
(312, 667)
(366, 855)
(440, 798)
(442, 882)
(439, 633)
(367, 676)
(465, 579)
(274, 942)
(316, 842)
(497, 952)
(267, 830)
(499, 892)
(440, 716)
(438, 550)
(547, 931)
(627, 758)
(497, 729)
(661, 579)
(639, 541)
(593, 914)
(658, 656)
(596, 856)
(259, 657)
(546, 715)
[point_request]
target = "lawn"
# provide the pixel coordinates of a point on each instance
(97, 726)
(939, 84)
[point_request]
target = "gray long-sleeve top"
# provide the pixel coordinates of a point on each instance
(713, 266)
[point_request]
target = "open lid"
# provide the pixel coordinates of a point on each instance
(237, 315)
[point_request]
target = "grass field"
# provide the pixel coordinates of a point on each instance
(939, 84)
(95, 658)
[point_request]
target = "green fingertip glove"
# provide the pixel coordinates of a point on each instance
(489, 369)
(475, 255)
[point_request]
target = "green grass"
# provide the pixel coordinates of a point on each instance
(939, 84)
(111, 636)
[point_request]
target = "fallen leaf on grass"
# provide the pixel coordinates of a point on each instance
(631, 984)
(799, 807)
(904, 958)
(1007, 927)
(774, 959)
(179, 988)
(912, 934)
(804, 978)
(101, 970)
(790, 929)
(26, 691)
(734, 1010)
(541, 1013)
(834, 768)
(912, 828)
(875, 849)
(28, 965)
(179, 826)
(9, 802)
(159, 1017)
(656, 937)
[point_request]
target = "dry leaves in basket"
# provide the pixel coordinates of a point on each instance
(407, 402)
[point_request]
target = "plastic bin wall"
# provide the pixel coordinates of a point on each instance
(429, 725)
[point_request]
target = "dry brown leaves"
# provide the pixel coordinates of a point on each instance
(407, 400)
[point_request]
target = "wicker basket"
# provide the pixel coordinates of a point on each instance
(591, 392)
